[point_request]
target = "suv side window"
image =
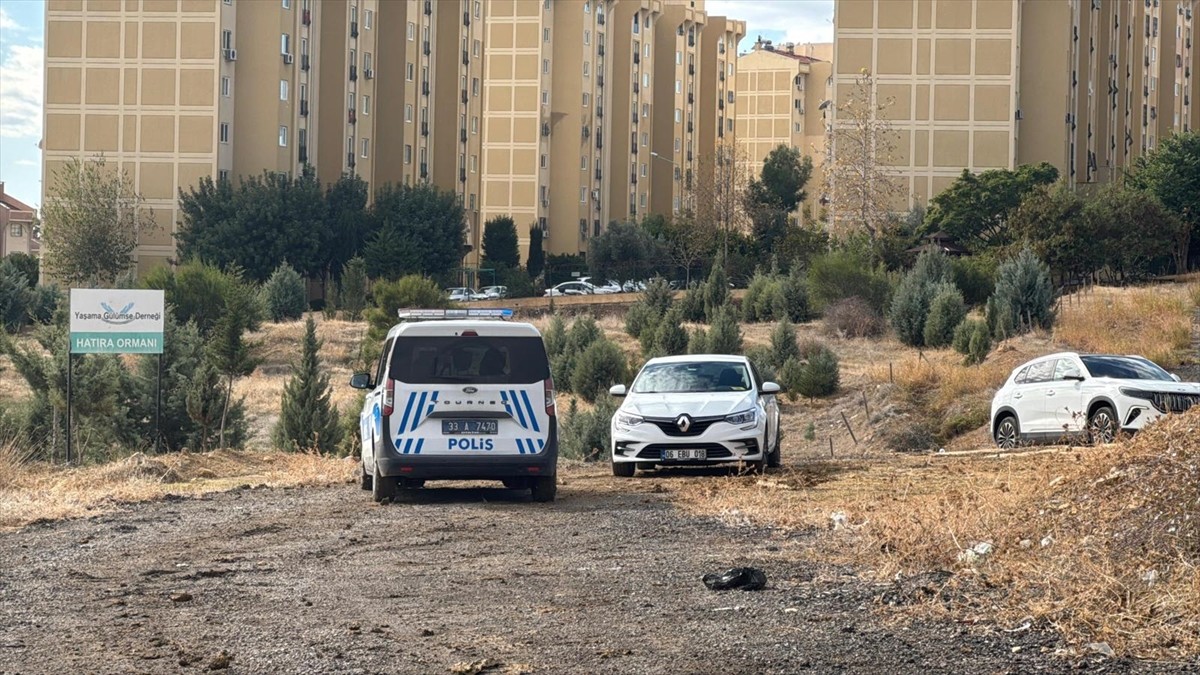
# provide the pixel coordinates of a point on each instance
(1041, 372)
(1066, 368)
(1020, 378)
(383, 359)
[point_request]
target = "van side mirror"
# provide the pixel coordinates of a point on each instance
(770, 388)
(617, 390)
(361, 381)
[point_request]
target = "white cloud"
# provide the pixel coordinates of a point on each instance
(21, 91)
(799, 20)
(7, 22)
(26, 162)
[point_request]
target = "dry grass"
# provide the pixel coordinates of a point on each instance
(1155, 322)
(1102, 543)
(32, 492)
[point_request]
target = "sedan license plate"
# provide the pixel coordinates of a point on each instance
(469, 427)
(675, 454)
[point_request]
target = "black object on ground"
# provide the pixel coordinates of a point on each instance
(744, 578)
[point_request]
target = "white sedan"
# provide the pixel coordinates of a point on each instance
(1096, 396)
(698, 409)
(570, 288)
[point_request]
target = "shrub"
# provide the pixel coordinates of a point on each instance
(284, 294)
(915, 295)
(586, 434)
(763, 361)
(352, 294)
(14, 297)
(1024, 296)
(853, 318)
(795, 295)
(724, 336)
(820, 376)
(518, 282)
(599, 366)
(759, 284)
(783, 343)
(308, 419)
(670, 338)
(196, 291)
(555, 336)
(644, 315)
(691, 305)
(413, 292)
(791, 376)
(576, 340)
(698, 342)
(973, 340)
(974, 277)
(716, 291)
(946, 312)
(842, 274)
(26, 264)
(640, 319)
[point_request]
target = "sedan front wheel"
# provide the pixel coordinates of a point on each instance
(1008, 434)
(1102, 425)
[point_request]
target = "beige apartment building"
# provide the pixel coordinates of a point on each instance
(1087, 85)
(782, 88)
(534, 109)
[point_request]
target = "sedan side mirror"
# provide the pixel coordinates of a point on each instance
(617, 390)
(770, 388)
(361, 381)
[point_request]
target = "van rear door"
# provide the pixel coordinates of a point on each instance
(470, 394)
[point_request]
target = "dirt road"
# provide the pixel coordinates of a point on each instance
(605, 580)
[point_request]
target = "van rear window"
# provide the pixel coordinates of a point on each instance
(483, 360)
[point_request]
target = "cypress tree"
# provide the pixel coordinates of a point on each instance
(308, 419)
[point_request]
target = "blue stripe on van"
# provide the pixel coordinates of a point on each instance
(417, 416)
(407, 409)
(532, 416)
(520, 446)
(420, 442)
(520, 412)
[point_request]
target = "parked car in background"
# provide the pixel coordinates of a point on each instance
(463, 294)
(1090, 395)
(698, 409)
(632, 286)
(494, 292)
(570, 288)
(610, 287)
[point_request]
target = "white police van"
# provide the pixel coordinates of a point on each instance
(460, 394)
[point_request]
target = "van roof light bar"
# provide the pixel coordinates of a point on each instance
(439, 314)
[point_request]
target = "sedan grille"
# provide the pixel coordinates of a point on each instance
(1174, 403)
(670, 428)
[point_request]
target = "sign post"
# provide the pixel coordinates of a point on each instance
(116, 321)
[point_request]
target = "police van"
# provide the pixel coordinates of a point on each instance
(459, 394)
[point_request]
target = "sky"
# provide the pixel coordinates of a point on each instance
(21, 47)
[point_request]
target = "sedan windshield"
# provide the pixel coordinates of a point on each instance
(1124, 368)
(693, 376)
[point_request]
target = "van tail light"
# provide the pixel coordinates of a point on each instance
(389, 397)
(548, 383)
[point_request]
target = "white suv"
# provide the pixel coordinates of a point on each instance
(696, 409)
(1094, 395)
(457, 394)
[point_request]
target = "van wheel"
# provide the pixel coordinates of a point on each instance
(366, 477)
(544, 488)
(624, 469)
(384, 488)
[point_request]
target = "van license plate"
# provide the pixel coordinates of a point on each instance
(467, 427)
(669, 454)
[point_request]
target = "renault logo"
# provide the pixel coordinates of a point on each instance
(684, 423)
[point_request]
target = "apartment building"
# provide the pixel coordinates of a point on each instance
(782, 88)
(16, 225)
(1087, 85)
(534, 109)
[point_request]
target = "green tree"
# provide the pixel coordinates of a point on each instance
(15, 297)
(623, 251)
(536, 261)
(412, 292)
(781, 183)
(946, 312)
(26, 264)
(91, 220)
(204, 402)
(1052, 223)
(783, 343)
(347, 227)
(914, 296)
(230, 352)
(670, 337)
(1170, 173)
(975, 208)
(500, 243)
(1140, 235)
(284, 294)
(308, 418)
(716, 291)
(599, 366)
(352, 296)
(421, 230)
(820, 376)
(724, 335)
(844, 274)
(1024, 296)
(195, 291)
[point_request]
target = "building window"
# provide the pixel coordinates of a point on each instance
(412, 31)
(17, 230)
(545, 35)
(645, 139)
(474, 163)
(478, 8)
(678, 87)
(636, 25)
(366, 147)
(475, 125)
(283, 90)
(645, 110)
(587, 69)
(542, 163)
(350, 145)
(587, 37)
(304, 46)
(545, 66)
(545, 97)
(472, 201)
(408, 154)
(642, 199)
(729, 124)
(285, 44)
(643, 167)
(366, 105)
(222, 174)
(408, 112)
(587, 7)
(226, 39)
(410, 71)
(587, 99)
(224, 133)
(283, 136)
(475, 46)
(583, 195)
(369, 19)
(678, 58)
(583, 162)
(303, 92)
(678, 115)
(368, 62)
(475, 86)
(287, 4)
(225, 86)
(645, 80)
(676, 144)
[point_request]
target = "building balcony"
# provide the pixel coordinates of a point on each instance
(303, 154)
(304, 62)
(353, 116)
(353, 29)
(353, 73)
(306, 17)
(304, 107)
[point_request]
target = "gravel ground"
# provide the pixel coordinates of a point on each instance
(457, 579)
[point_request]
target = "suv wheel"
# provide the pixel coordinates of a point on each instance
(384, 488)
(1102, 425)
(1008, 434)
(624, 469)
(544, 488)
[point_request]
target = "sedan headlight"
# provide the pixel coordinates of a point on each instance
(743, 418)
(627, 420)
